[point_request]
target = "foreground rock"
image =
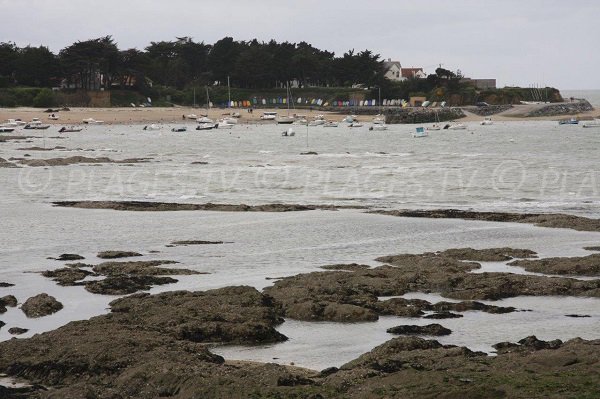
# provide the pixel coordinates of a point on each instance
(6, 164)
(41, 305)
(556, 220)
(153, 346)
(195, 242)
(172, 206)
(8, 300)
(429, 329)
(117, 254)
(352, 294)
(582, 266)
(120, 278)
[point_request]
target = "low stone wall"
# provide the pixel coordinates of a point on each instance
(563, 109)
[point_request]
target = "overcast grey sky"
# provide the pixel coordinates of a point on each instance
(518, 42)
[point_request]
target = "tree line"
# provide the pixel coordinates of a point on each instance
(183, 63)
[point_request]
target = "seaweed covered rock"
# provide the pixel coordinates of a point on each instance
(41, 305)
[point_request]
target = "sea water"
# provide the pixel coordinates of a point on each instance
(508, 166)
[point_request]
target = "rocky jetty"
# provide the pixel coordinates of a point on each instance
(17, 331)
(557, 109)
(421, 115)
(488, 110)
(41, 305)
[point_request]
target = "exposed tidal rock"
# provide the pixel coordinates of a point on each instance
(67, 276)
(578, 315)
(196, 242)
(41, 305)
(123, 285)
(77, 160)
(594, 248)
(117, 254)
(583, 266)
(172, 206)
(121, 278)
(65, 257)
(8, 300)
(6, 164)
(5, 285)
(556, 220)
(348, 267)
(443, 315)
(17, 330)
(429, 329)
(487, 255)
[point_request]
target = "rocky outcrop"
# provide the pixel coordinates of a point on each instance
(41, 305)
(563, 109)
(556, 220)
(429, 329)
(8, 300)
(117, 254)
(195, 242)
(582, 266)
(66, 257)
(120, 278)
(76, 160)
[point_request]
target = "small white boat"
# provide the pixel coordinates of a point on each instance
(593, 124)
(191, 116)
(378, 127)
(224, 125)
(317, 122)
(355, 124)
(435, 126)
(92, 121)
(69, 129)
(268, 116)
(179, 129)
(289, 132)
(36, 126)
(420, 132)
(53, 117)
(330, 124)
(487, 121)
(206, 126)
(302, 121)
(285, 120)
(379, 120)
(349, 118)
(15, 122)
(6, 129)
(205, 119)
(153, 126)
(457, 126)
(231, 120)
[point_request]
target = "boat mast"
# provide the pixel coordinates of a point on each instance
(228, 93)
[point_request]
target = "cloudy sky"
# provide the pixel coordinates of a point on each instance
(518, 42)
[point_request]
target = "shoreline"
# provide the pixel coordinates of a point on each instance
(172, 115)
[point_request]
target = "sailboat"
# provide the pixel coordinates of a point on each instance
(286, 120)
(436, 125)
(205, 123)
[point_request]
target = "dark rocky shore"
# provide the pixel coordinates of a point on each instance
(153, 346)
(556, 220)
(172, 206)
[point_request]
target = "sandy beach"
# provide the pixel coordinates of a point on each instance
(176, 114)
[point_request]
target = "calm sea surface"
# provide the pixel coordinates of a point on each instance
(509, 166)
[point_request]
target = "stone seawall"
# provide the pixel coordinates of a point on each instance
(563, 109)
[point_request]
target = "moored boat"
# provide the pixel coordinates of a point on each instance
(571, 121)
(420, 132)
(69, 129)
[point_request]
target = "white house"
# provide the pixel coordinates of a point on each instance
(392, 70)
